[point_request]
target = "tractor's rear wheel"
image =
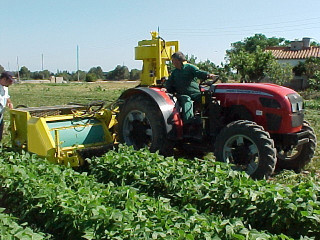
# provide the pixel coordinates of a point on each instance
(140, 124)
(296, 157)
(246, 145)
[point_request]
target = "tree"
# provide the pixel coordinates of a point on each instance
(314, 44)
(224, 72)
(82, 76)
(119, 73)
(91, 77)
(1, 69)
(97, 71)
(255, 66)
(135, 74)
(45, 74)
(24, 73)
(310, 68)
(253, 63)
(250, 44)
(207, 66)
(278, 73)
(65, 74)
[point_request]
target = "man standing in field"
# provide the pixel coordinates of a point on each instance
(184, 81)
(6, 79)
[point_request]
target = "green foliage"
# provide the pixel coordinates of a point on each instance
(311, 69)
(214, 188)
(97, 72)
(314, 83)
(251, 44)
(314, 44)
(299, 69)
(119, 73)
(65, 74)
(278, 73)
(191, 59)
(78, 75)
(24, 73)
(10, 229)
(45, 74)
(135, 74)
(1, 69)
(91, 77)
(73, 205)
(255, 66)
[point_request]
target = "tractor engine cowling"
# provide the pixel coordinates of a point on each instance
(278, 109)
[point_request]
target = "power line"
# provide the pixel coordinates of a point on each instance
(237, 33)
(227, 29)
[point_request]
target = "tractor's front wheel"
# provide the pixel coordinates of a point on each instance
(246, 145)
(296, 157)
(140, 124)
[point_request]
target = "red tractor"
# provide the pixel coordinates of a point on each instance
(255, 126)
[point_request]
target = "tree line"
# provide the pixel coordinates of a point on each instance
(94, 74)
(246, 61)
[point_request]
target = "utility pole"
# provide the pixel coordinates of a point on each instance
(42, 61)
(42, 66)
(18, 69)
(78, 62)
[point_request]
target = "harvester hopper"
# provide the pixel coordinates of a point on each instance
(64, 134)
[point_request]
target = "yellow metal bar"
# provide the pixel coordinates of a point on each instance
(57, 141)
(154, 53)
(158, 60)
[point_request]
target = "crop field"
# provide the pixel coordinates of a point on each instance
(129, 194)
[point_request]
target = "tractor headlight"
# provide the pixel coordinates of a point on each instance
(296, 102)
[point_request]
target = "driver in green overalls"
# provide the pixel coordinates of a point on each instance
(184, 81)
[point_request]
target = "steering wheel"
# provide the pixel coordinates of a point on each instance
(208, 82)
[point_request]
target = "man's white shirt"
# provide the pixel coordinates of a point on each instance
(4, 96)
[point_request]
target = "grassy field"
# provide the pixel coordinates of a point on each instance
(34, 95)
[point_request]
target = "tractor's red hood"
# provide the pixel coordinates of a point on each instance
(262, 100)
(266, 89)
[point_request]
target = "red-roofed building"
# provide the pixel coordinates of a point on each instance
(299, 51)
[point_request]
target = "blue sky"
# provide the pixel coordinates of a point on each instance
(107, 31)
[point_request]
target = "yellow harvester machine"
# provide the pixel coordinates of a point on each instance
(64, 134)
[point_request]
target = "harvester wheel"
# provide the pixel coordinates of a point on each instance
(296, 157)
(140, 124)
(246, 145)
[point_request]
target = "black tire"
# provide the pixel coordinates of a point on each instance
(246, 145)
(140, 124)
(298, 157)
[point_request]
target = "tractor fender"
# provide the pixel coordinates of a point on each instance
(168, 108)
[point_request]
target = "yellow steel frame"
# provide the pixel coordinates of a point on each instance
(154, 53)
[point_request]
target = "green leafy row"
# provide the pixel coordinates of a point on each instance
(214, 188)
(72, 205)
(11, 230)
